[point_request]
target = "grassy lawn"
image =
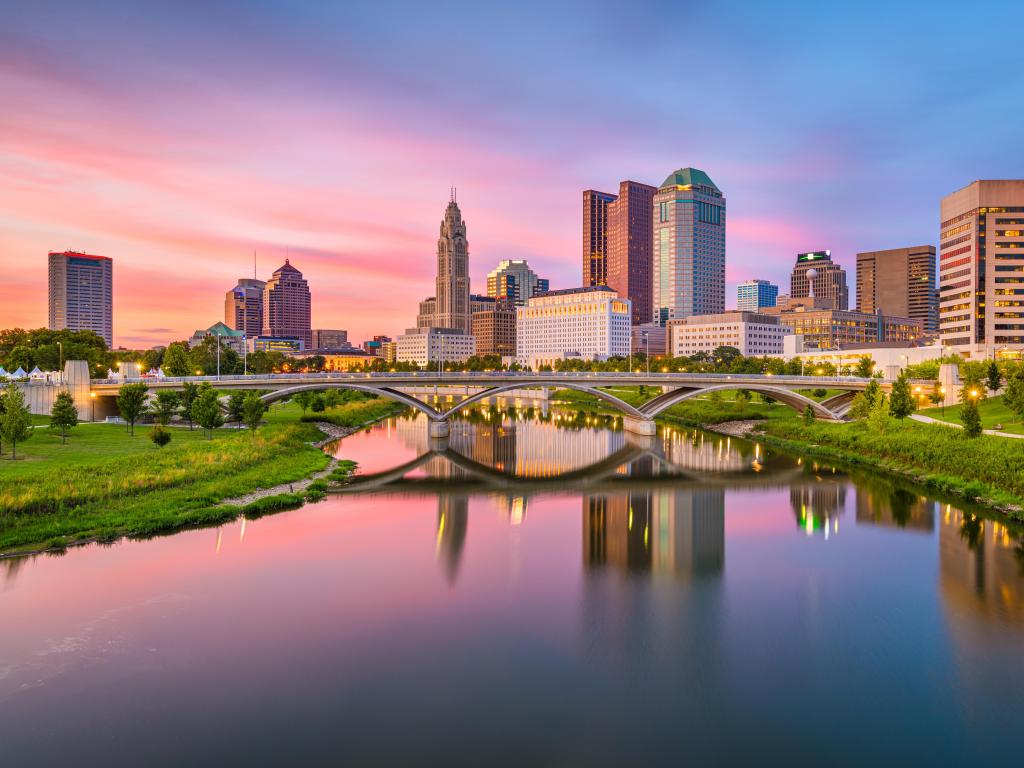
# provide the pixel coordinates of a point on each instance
(992, 411)
(705, 409)
(988, 468)
(104, 484)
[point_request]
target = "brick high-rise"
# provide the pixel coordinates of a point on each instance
(82, 293)
(899, 281)
(595, 236)
(286, 305)
(630, 246)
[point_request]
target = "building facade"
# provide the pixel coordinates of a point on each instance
(428, 308)
(824, 327)
(286, 306)
(229, 337)
(649, 338)
(589, 323)
(595, 236)
(326, 338)
(815, 274)
(429, 346)
(981, 269)
(285, 344)
(689, 247)
(452, 308)
(243, 307)
(81, 293)
(753, 295)
(515, 281)
(495, 329)
(899, 281)
(752, 333)
(630, 248)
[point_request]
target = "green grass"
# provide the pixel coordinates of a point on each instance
(704, 409)
(987, 469)
(356, 413)
(992, 410)
(104, 484)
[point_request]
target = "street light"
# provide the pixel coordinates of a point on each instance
(647, 350)
(942, 391)
(92, 399)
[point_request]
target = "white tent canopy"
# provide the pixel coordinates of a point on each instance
(20, 373)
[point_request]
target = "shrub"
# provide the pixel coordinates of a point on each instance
(64, 415)
(160, 436)
(970, 417)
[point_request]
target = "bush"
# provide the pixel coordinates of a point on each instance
(160, 436)
(970, 417)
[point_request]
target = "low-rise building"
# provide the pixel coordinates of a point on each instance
(591, 323)
(286, 344)
(824, 327)
(885, 355)
(347, 361)
(228, 336)
(427, 346)
(650, 338)
(495, 329)
(324, 338)
(754, 334)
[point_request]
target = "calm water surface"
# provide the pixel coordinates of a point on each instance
(535, 592)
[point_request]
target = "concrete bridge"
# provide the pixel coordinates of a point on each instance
(670, 389)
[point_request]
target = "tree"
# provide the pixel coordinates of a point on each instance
(305, 400)
(993, 378)
(860, 407)
(176, 361)
(864, 368)
(970, 417)
(1014, 395)
(160, 436)
(872, 391)
(64, 414)
(253, 409)
(878, 419)
(318, 405)
(235, 406)
(808, 416)
(206, 410)
(167, 404)
(901, 403)
(15, 425)
(189, 393)
(333, 398)
(131, 403)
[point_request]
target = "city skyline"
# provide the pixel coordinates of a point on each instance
(95, 157)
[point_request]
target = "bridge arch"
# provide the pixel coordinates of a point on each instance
(794, 400)
(393, 394)
(615, 402)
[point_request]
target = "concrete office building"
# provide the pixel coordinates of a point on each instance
(752, 333)
(324, 338)
(629, 246)
(689, 247)
(595, 236)
(428, 346)
(515, 281)
(81, 293)
(649, 338)
(286, 306)
(590, 323)
(815, 274)
(495, 329)
(899, 281)
(753, 295)
(243, 307)
(981, 269)
(824, 327)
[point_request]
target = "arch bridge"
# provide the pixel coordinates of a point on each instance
(671, 388)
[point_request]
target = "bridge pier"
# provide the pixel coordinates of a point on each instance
(639, 426)
(436, 429)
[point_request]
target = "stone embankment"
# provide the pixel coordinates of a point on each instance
(733, 428)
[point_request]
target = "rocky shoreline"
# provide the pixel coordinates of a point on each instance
(733, 428)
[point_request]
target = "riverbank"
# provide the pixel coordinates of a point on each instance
(104, 485)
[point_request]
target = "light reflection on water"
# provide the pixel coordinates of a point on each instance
(559, 589)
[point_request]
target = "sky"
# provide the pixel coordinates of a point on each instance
(179, 138)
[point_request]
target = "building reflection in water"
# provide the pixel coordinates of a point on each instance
(679, 532)
(981, 565)
(818, 500)
(452, 523)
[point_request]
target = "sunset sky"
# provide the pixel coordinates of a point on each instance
(179, 137)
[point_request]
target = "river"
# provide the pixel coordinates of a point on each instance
(537, 589)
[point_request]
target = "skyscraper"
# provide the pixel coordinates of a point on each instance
(515, 281)
(689, 246)
(595, 236)
(243, 307)
(828, 277)
(452, 308)
(286, 305)
(752, 295)
(630, 232)
(981, 269)
(900, 281)
(82, 293)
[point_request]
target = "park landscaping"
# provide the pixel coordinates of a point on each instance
(104, 483)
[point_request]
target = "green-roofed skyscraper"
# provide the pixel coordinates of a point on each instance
(689, 246)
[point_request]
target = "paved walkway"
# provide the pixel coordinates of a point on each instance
(994, 432)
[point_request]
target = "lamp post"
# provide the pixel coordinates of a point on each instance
(218, 354)
(92, 400)
(942, 391)
(60, 360)
(245, 355)
(647, 350)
